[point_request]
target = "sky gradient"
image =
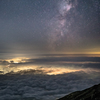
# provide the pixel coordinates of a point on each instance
(49, 27)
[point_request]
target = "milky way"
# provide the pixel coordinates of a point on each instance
(61, 22)
(49, 26)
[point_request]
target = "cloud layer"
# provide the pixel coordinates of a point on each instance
(44, 87)
(47, 77)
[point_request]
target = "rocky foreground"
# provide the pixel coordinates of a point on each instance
(92, 93)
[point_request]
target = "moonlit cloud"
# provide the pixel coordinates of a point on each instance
(52, 65)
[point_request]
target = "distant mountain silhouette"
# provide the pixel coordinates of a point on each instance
(92, 93)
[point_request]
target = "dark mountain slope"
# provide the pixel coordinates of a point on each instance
(92, 93)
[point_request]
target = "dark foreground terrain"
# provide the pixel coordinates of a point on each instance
(92, 93)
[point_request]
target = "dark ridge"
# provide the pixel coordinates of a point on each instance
(92, 93)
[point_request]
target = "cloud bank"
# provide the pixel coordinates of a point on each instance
(44, 87)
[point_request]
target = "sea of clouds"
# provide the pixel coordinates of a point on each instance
(45, 87)
(37, 84)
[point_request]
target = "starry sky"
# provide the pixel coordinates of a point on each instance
(49, 26)
(48, 47)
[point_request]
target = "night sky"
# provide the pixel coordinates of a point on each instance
(48, 48)
(49, 26)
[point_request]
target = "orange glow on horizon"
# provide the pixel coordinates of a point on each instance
(56, 71)
(49, 71)
(86, 53)
(17, 60)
